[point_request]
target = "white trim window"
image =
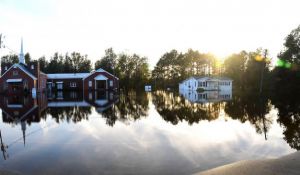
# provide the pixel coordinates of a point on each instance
(59, 85)
(90, 83)
(111, 83)
(32, 66)
(73, 84)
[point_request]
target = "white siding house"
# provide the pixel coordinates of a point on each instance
(206, 83)
(190, 83)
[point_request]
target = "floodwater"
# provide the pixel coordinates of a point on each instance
(142, 133)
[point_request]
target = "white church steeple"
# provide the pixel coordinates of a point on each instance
(21, 56)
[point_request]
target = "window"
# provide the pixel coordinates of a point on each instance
(59, 85)
(73, 84)
(15, 72)
(5, 68)
(111, 83)
(90, 83)
(32, 66)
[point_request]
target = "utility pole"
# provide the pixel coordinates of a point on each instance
(3, 148)
(0, 40)
(262, 71)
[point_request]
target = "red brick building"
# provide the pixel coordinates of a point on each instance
(96, 80)
(21, 77)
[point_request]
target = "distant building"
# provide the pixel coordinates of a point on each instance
(206, 83)
(22, 77)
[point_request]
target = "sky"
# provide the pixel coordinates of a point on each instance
(146, 27)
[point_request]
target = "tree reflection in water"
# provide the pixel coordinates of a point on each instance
(68, 106)
(288, 105)
(175, 108)
(132, 105)
(250, 106)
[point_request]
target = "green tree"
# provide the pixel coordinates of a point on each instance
(43, 64)
(108, 61)
(80, 63)
(291, 52)
(235, 68)
(132, 70)
(257, 68)
(13, 58)
(56, 64)
(174, 67)
(67, 64)
(168, 70)
(27, 58)
(287, 74)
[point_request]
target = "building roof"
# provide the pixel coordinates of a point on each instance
(102, 70)
(23, 68)
(68, 75)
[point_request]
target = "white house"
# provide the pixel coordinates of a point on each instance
(206, 83)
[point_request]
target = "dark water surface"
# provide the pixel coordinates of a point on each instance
(143, 133)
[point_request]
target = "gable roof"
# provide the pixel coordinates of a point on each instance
(24, 69)
(102, 70)
(68, 75)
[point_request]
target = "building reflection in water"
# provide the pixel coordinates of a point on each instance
(126, 107)
(70, 106)
(206, 96)
(73, 107)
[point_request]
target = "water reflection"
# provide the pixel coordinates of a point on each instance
(206, 96)
(250, 107)
(175, 108)
(243, 106)
(288, 105)
(128, 131)
(131, 106)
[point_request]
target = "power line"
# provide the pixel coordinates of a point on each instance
(5, 46)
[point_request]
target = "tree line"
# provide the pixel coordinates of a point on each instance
(132, 69)
(249, 70)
